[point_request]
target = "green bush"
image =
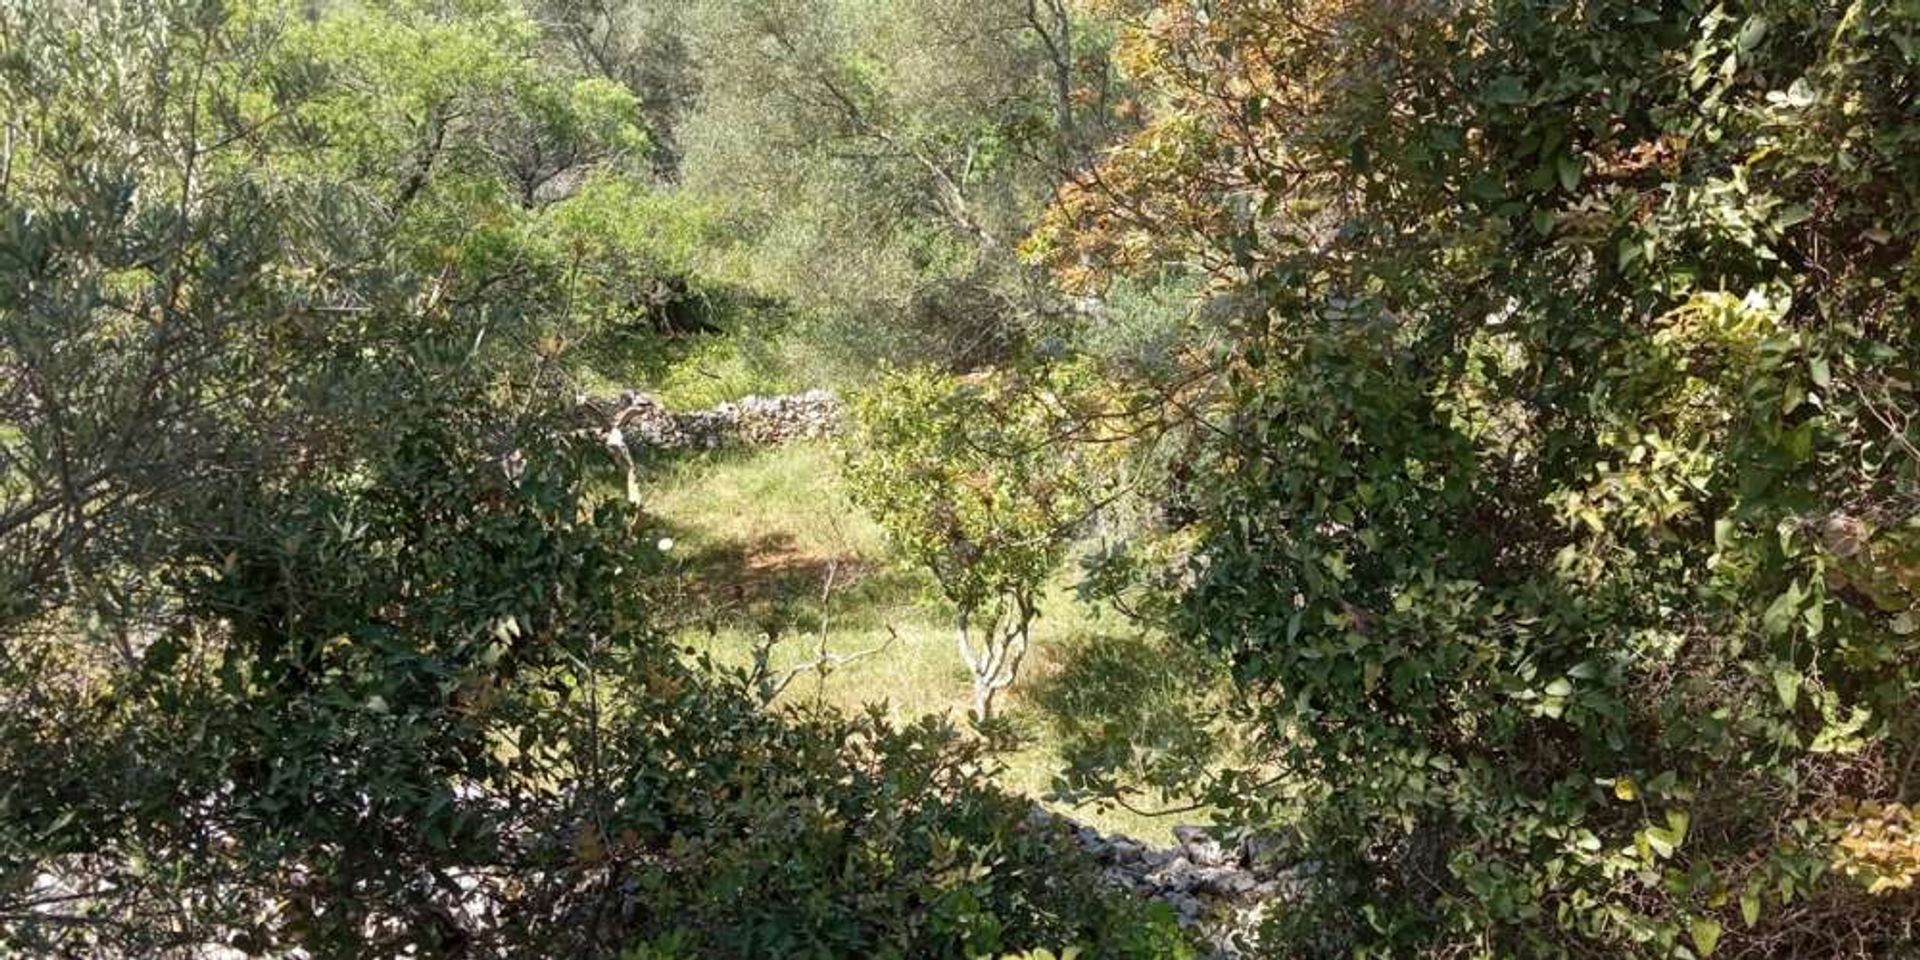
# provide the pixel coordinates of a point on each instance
(966, 477)
(835, 837)
(316, 638)
(1551, 503)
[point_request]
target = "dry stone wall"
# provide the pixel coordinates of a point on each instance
(642, 421)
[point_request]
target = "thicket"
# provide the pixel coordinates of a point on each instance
(1502, 414)
(1550, 457)
(321, 632)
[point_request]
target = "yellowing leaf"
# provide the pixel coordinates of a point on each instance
(1706, 935)
(1662, 841)
(1678, 821)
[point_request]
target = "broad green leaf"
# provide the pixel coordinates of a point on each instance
(1569, 169)
(1791, 215)
(1706, 935)
(1507, 90)
(1662, 841)
(1786, 684)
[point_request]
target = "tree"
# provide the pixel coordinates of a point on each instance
(964, 476)
(317, 635)
(1554, 509)
(882, 160)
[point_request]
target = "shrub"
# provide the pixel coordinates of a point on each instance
(316, 639)
(1551, 505)
(966, 477)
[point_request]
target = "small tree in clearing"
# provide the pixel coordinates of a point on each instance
(966, 476)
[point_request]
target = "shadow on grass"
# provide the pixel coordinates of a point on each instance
(769, 584)
(1123, 710)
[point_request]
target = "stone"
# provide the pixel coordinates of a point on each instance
(1212, 888)
(1268, 850)
(1177, 875)
(1186, 908)
(1224, 881)
(1200, 846)
(753, 421)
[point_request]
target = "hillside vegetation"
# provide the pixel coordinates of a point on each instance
(1465, 453)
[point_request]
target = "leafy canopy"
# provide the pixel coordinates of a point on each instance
(1557, 512)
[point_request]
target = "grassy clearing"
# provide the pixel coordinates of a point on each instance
(769, 543)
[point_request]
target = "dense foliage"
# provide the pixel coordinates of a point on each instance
(319, 634)
(1497, 417)
(974, 482)
(1557, 496)
(884, 160)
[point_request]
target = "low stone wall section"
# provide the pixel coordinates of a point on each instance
(643, 421)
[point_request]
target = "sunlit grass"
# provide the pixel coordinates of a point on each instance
(768, 542)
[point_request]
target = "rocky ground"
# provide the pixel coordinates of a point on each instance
(1222, 888)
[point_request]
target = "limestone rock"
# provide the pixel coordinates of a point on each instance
(1222, 890)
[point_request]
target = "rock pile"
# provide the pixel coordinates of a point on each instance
(1223, 889)
(754, 421)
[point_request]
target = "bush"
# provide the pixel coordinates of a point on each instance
(315, 637)
(966, 477)
(1551, 506)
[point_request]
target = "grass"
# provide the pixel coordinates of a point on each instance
(769, 543)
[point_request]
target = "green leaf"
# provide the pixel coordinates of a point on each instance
(1662, 842)
(1781, 612)
(1678, 821)
(1706, 935)
(1750, 907)
(1569, 168)
(1632, 250)
(1507, 89)
(1821, 372)
(1786, 683)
